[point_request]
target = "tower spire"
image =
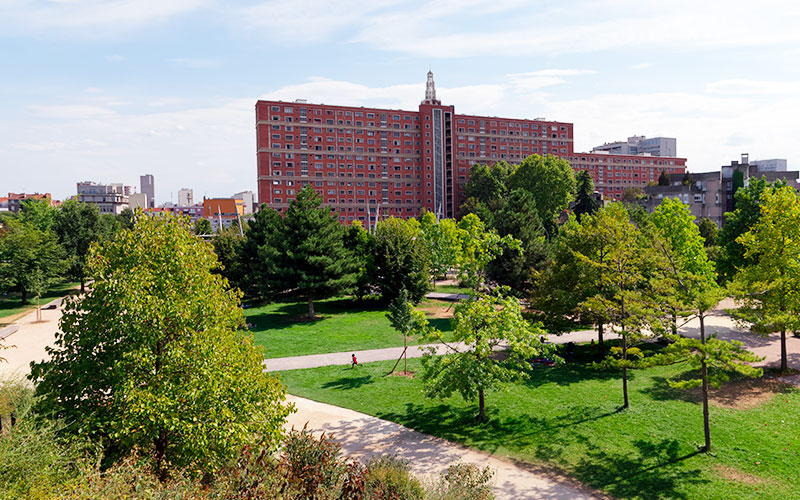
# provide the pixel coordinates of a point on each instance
(430, 90)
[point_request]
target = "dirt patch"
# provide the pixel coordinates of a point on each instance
(735, 475)
(437, 309)
(402, 374)
(745, 394)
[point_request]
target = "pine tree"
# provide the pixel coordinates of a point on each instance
(584, 197)
(315, 263)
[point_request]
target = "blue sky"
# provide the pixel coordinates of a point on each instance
(110, 90)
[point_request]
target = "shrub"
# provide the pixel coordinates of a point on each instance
(388, 477)
(312, 466)
(463, 482)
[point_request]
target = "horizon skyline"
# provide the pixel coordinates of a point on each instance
(110, 90)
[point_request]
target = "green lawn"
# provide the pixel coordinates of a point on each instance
(452, 289)
(342, 325)
(567, 418)
(11, 304)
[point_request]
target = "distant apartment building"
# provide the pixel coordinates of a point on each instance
(711, 194)
(641, 145)
(147, 186)
(185, 197)
(109, 198)
(249, 200)
(399, 162)
(194, 212)
(15, 199)
(3, 203)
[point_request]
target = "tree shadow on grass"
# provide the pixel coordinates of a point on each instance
(290, 313)
(652, 470)
(345, 383)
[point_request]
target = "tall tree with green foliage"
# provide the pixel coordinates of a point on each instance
(489, 184)
(690, 278)
(400, 260)
(314, 262)
(153, 358)
(621, 273)
(768, 283)
(227, 245)
(585, 203)
(520, 267)
(260, 255)
(126, 218)
(708, 230)
(481, 325)
(443, 243)
(738, 222)
(77, 225)
(664, 179)
(551, 181)
(29, 257)
(202, 226)
(479, 246)
(37, 213)
(359, 242)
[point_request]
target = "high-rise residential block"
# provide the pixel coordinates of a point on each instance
(147, 186)
(109, 198)
(365, 161)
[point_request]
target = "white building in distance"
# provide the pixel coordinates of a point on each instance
(185, 197)
(641, 145)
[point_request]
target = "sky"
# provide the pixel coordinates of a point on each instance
(110, 90)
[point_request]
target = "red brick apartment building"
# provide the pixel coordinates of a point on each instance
(365, 161)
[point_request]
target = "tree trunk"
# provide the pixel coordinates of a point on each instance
(784, 363)
(405, 358)
(160, 453)
(600, 338)
(83, 287)
(38, 308)
(481, 405)
(24, 295)
(310, 307)
(704, 374)
(674, 323)
(625, 403)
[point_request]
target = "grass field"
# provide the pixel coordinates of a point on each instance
(452, 289)
(567, 418)
(342, 325)
(10, 305)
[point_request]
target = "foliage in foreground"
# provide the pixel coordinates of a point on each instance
(152, 358)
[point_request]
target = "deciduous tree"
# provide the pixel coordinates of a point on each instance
(551, 181)
(768, 283)
(153, 356)
(689, 278)
(29, 256)
(480, 326)
(77, 225)
(400, 260)
(443, 243)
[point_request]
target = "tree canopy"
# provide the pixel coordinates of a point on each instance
(400, 260)
(153, 356)
(551, 181)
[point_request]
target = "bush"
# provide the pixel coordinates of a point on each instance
(463, 482)
(312, 466)
(32, 462)
(388, 477)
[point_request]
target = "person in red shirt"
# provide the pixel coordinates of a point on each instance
(355, 362)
